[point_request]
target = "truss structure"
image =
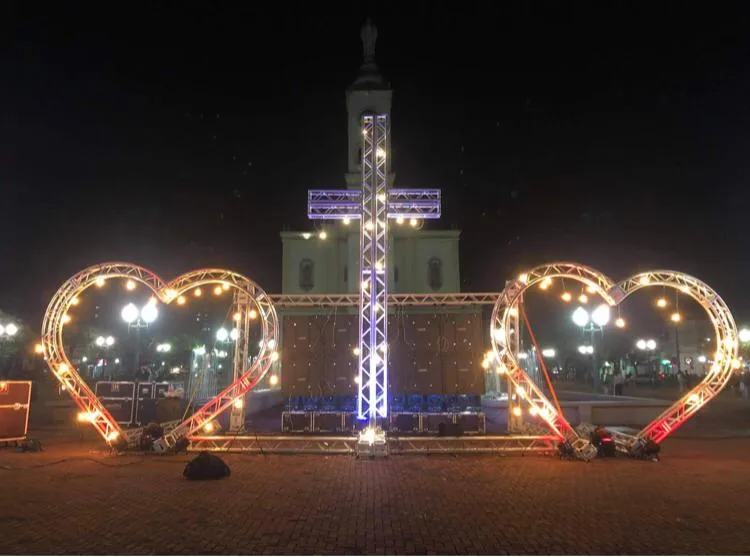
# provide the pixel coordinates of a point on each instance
(301, 444)
(374, 205)
(505, 314)
(67, 295)
(399, 300)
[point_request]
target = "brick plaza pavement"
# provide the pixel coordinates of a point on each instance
(696, 500)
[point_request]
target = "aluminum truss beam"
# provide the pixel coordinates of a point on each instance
(415, 300)
(374, 205)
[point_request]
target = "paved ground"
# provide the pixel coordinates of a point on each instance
(696, 500)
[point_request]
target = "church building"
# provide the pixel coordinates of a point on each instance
(326, 260)
(432, 350)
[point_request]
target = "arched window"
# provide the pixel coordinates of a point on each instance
(307, 275)
(435, 273)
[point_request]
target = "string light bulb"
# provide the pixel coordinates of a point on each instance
(181, 300)
(130, 284)
(583, 299)
(620, 323)
(661, 302)
(676, 317)
(566, 296)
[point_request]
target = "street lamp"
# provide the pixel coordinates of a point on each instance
(648, 345)
(8, 330)
(139, 318)
(592, 323)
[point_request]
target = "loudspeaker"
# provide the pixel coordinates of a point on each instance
(206, 466)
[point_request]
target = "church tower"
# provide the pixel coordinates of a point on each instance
(370, 93)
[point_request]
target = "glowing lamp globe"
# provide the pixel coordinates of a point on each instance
(129, 313)
(222, 335)
(100, 341)
(149, 313)
(651, 344)
(600, 316)
(109, 341)
(11, 329)
(581, 317)
(744, 335)
(641, 344)
(234, 334)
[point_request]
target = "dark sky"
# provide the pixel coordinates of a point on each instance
(184, 134)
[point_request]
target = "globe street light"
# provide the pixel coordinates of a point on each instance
(592, 323)
(139, 318)
(646, 345)
(586, 349)
(104, 341)
(744, 335)
(8, 330)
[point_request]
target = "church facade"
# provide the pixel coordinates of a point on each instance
(432, 350)
(326, 260)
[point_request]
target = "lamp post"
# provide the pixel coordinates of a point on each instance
(591, 323)
(106, 343)
(139, 318)
(646, 345)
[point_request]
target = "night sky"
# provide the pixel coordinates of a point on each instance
(184, 134)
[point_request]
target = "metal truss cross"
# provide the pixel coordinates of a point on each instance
(374, 205)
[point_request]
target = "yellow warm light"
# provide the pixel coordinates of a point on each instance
(661, 302)
(171, 293)
(620, 323)
(225, 286)
(694, 398)
(346, 220)
(75, 301)
(736, 364)
(381, 197)
(63, 367)
(197, 292)
(181, 300)
(369, 225)
(66, 318)
(355, 351)
(130, 284)
(400, 220)
(100, 282)
(252, 314)
(218, 290)
(501, 369)
(485, 364)
(413, 222)
(644, 280)
(323, 235)
(533, 411)
(38, 348)
(591, 289)
(566, 296)
(545, 284)
(274, 356)
(516, 411)
(583, 298)
(237, 316)
(274, 380)
(684, 289)
(676, 317)
(208, 427)
(85, 416)
(113, 435)
(365, 285)
(238, 403)
(523, 278)
(152, 300)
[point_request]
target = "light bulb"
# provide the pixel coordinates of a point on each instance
(566, 296)
(181, 300)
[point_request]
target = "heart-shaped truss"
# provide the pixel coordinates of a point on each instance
(504, 335)
(251, 300)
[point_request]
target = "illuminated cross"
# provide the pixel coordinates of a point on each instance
(374, 205)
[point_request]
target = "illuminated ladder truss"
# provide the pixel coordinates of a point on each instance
(505, 314)
(374, 205)
(241, 316)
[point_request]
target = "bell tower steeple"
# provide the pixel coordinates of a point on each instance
(370, 93)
